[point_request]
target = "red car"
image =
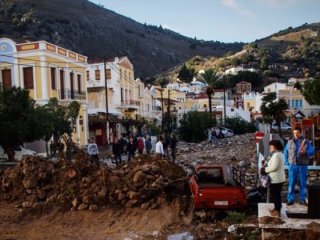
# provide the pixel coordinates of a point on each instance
(218, 187)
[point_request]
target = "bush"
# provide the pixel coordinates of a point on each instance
(236, 217)
(194, 125)
(240, 126)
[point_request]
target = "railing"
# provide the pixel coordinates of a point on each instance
(130, 102)
(68, 94)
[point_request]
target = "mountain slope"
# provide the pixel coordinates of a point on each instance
(92, 30)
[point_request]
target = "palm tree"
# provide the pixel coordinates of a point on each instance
(273, 109)
(209, 76)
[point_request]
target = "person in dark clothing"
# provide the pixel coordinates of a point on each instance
(131, 148)
(117, 150)
(173, 146)
(148, 145)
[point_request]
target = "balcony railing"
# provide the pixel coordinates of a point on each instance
(130, 102)
(74, 95)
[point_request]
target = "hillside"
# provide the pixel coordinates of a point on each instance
(92, 30)
(293, 52)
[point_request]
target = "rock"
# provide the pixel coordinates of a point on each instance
(75, 202)
(83, 206)
(313, 231)
(71, 173)
(144, 206)
(29, 182)
(41, 194)
(132, 195)
(93, 207)
(121, 196)
(27, 204)
(138, 177)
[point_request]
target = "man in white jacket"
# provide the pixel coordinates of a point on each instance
(159, 147)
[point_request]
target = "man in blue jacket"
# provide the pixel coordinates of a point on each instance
(296, 154)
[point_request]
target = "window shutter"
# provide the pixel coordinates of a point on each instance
(6, 78)
(28, 77)
(53, 78)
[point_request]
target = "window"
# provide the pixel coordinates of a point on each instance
(28, 77)
(97, 74)
(71, 85)
(121, 94)
(297, 103)
(53, 78)
(88, 75)
(108, 73)
(79, 83)
(62, 84)
(6, 78)
(301, 103)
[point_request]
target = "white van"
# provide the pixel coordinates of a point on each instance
(19, 153)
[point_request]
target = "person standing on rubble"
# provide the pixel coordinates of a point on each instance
(140, 145)
(93, 151)
(275, 169)
(117, 150)
(148, 144)
(297, 153)
(159, 147)
(131, 148)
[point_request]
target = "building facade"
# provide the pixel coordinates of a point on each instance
(47, 71)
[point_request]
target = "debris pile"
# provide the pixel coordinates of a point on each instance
(145, 182)
(238, 151)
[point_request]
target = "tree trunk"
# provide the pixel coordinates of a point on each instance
(210, 104)
(10, 152)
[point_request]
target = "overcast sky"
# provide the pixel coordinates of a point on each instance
(222, 20)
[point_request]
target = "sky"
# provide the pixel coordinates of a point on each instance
(219, 20)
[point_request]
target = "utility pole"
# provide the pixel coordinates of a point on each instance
(169, 117)
(107, 107)
(162, 110)
(224, 100)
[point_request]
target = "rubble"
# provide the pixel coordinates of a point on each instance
(145, 182)
(238, 151)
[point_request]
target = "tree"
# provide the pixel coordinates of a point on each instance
(209, 77)
(20, 120)
(311, 91)
(273, 109)
(202, 120)
(186, 74)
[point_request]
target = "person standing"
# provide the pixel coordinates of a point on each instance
(159, 147)
(148, 145)
(131, 148)
(297, 153)
(275, 169)
(140, 145)
(173, 146)
(93, 151)
(117, 150)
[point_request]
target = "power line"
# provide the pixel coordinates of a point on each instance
(30, 59)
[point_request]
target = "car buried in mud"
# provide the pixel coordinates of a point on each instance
(218, 187)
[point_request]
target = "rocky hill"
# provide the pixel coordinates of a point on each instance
(293, 52)
(92, 30)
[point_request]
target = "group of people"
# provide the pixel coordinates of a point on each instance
(140, 144)
(164, 144)
(295, 155)
(214, 134)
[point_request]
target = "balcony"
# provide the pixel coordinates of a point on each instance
(130, 105)
(71, 95)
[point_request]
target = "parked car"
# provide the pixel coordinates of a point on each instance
(19, 152)
(226, 132)
(285, 126)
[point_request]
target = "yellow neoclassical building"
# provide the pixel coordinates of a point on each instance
(47, 71)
